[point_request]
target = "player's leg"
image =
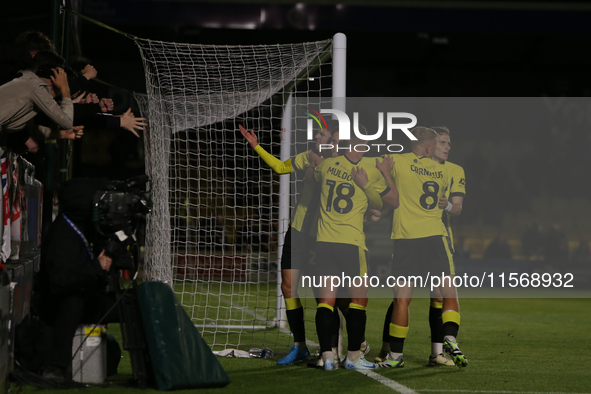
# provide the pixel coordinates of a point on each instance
(326, 302)
(293, 305)
(398, 328)
(405, 260)
(451, 325)
(383, 354)
(341, 311)
(451, 308)
(336, 331)
(437, 356)
(324, 322)
(357, 313)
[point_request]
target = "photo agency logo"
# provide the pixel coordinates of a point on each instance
(389, 119)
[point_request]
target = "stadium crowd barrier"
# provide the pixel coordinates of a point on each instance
(20, 241)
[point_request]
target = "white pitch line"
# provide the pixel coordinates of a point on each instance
(387, 382)
(405, 390)
(494, 392)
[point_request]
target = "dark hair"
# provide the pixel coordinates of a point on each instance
(33, 40)
(45, 61)
(333, 125)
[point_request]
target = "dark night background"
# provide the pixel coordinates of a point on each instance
(429, 49)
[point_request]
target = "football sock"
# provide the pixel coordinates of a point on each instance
(397, 337)
(451, 323)
(295, 319)
(387, 321)
(356, 318)
(335, 325)
(436, 325)
(323, 325)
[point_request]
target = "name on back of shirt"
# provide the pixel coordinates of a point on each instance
(424, 171)
(339, 173)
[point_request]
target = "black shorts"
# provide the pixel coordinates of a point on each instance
(298, 250)
(420, 256)
(338, 259)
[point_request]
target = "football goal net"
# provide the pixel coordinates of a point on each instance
(220, 215)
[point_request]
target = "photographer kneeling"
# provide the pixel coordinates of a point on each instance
(70, 288)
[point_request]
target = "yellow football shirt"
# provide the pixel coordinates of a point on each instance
(420, 182)
(342, 203)
(306, 211)
(457, 187)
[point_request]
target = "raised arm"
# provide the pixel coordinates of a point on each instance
(62, 114)
(278, 166)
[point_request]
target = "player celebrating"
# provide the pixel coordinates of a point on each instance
(420, 243)
(451, 203)
(299, 233)
(348, 188)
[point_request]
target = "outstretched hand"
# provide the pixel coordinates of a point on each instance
(359, 176)
(131, 123)
(250, 136)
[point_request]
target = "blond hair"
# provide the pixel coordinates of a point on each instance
(424, 136)
(441, 130)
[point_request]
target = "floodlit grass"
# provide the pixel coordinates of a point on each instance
(515, 345)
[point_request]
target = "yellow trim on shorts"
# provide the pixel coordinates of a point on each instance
(362, 262)
(398, 331)
(452, 270)
(323, 305)
(292, 303)
(357, 306)
(451, 316)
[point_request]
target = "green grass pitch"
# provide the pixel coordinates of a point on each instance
(513, 345)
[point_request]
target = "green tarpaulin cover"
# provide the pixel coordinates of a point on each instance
(180, 357)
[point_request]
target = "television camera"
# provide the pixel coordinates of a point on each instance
(119, 217)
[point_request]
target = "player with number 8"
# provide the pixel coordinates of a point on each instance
(419, 240)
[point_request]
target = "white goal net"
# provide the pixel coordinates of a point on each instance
(215, 231)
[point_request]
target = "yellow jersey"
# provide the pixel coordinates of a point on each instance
(342, 203)
(306, 211)
(457, 187)
(420, 182)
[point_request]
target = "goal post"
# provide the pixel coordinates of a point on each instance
(220, 214)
